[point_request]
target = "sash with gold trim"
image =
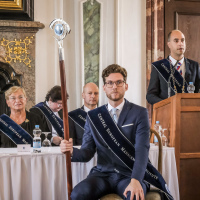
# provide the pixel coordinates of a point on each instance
(55, 121)
(123, 148)
(164, 69)
(78, 116)
(15, 132)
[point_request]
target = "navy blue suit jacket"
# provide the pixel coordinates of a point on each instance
(75, 131)
(158, 89)
(137, 131)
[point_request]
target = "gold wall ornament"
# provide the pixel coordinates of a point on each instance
(17, 50)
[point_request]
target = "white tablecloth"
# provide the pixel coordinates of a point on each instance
(43, 176)
(32, 176)
(169, 171)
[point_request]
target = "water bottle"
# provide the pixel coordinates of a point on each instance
(157, 128)
(190, 87)
(37, 140)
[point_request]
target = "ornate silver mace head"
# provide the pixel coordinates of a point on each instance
(61, 29)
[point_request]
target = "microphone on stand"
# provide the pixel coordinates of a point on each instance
(169, 86)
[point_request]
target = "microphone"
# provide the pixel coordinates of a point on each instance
(169, 86)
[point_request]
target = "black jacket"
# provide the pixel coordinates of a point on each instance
(28, 125)
(75, 131)
(158, 89)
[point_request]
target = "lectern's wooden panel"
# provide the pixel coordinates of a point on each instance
(181, 115)
(190, 102)
(190, 132)
(189, 179)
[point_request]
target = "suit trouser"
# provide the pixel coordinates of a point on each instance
(98, 184)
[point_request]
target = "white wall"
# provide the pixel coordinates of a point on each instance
(123, 41)
(132, 47)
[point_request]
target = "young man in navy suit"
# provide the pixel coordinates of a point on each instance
(109, 130)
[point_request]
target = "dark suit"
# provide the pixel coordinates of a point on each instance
(111, 175)
(75, 131)
(47, 123)
(158, 89)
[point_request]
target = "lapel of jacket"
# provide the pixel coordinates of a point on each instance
(60, 113)
(82, 107)
(124, 112)
(187, 70)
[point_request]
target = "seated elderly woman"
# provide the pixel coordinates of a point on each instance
(19, 120)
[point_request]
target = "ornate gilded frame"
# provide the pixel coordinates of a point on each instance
(22, 10)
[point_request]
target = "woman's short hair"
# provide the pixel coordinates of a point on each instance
(54, 94)
(13, 90)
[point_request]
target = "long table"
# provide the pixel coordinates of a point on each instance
(43, 176)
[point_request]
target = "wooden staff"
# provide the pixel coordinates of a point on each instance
(61, 29)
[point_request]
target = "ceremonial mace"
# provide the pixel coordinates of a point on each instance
(61, 29)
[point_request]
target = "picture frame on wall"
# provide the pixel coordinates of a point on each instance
(21, 10)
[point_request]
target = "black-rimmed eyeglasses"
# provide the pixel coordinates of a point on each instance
(110, 84)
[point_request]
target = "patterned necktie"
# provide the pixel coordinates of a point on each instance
(178, 67)
(114, 111)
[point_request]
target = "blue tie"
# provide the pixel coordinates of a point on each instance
(114, 111)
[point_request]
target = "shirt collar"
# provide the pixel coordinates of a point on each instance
(173, 61)
(86, 109)
(56, 113)
(119, 107)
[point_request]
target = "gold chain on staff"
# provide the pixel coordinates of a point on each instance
(17, 50)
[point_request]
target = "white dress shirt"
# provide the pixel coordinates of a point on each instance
(173, 61)
(86, 109)
(54, 133)
(119, 109)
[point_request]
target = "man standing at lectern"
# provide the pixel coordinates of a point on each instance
(176, 70)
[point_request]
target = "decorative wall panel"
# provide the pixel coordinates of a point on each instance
(91, 26)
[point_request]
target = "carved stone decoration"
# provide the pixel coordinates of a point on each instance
(12, 30)
(8, 78)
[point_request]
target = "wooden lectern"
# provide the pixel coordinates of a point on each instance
(180, 114)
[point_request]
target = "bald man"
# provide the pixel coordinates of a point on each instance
(77, 117)
(176, 70)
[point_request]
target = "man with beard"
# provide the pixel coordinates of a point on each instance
(175, 71)
(103, 127)
(77, 117)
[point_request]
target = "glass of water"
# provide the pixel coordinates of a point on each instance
(46, 142)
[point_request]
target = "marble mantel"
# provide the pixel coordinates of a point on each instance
(20, 26)
(18, 31)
